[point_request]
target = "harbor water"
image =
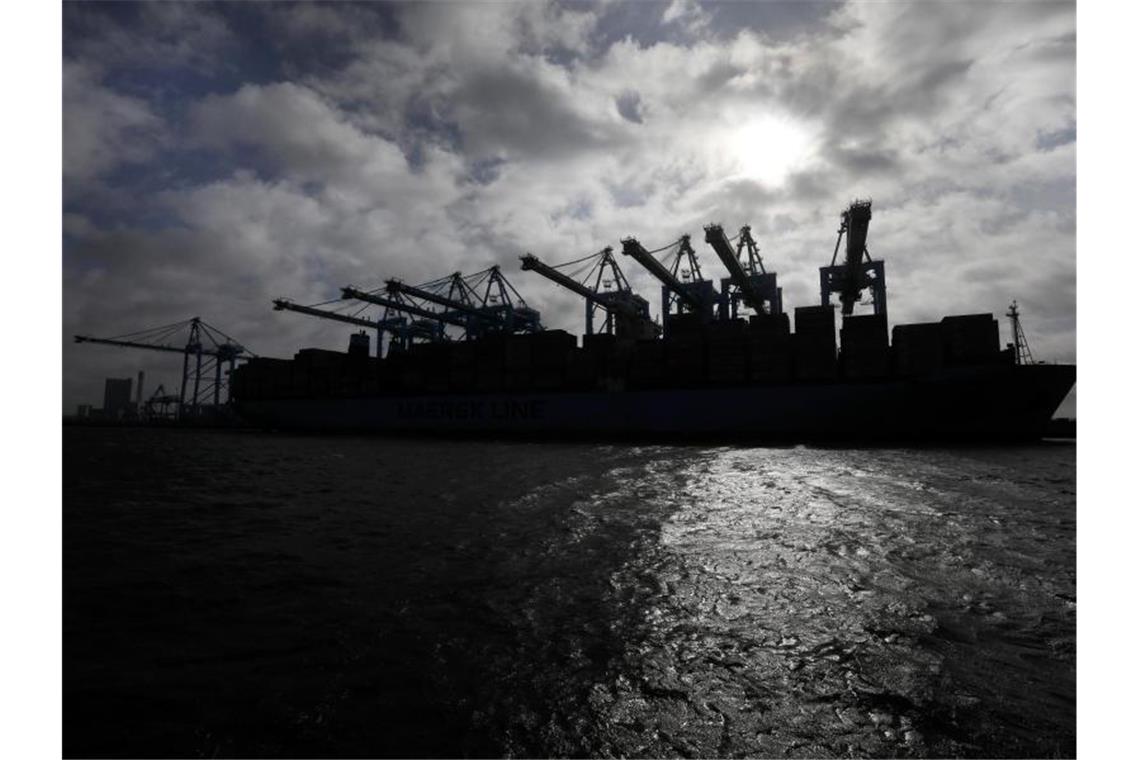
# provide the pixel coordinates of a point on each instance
(233, 593)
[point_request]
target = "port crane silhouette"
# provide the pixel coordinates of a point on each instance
(401, 329)
(682, 289)
(747, 281)
(626, 314)
(478, 303)
(499, 308)
(858, 271)
(209, 347)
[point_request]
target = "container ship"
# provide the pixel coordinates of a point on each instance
(467, 355)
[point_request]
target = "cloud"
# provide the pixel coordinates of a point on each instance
(686, 12)
(102, 129)
(147, 36)
(431, 137)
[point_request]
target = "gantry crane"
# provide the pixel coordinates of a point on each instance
(501, 299)
(493, 311)
(626, 313)
(406, 305)
(398, 327)
(747, 280)
(681, 289)
(160, 404)
(202, 341)
(858, 271)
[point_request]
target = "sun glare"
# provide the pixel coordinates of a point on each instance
(768, 148)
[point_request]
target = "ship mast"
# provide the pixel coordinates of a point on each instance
(1021, 352)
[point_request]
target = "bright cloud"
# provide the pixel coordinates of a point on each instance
(357, 142)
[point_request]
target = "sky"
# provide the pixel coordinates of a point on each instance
(218, 156)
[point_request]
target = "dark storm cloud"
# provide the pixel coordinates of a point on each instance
(129, 37)
(1056, 138)
(219, 155)
(509, 111)
(629, 106)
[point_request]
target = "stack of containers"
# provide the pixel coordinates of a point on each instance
(684, 346)
(490, 360)
(358, 376)
(550, 352)
(359, 344)
(814, 342)
(433, 362)
(864, 347)
(684, 322)
(728, 352)
(245, 383)
(769, 348)
(239, 383)
(301, 384)
(916, 349)
(579, 370)
(461, 367)
(389, 373)
(517, 363)
(319, 370)
(606, 358)
(647, 364)
(970, 339)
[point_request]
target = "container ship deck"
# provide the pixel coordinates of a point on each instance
(749, 387)
(715, 373)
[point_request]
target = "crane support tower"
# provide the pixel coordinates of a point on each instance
(499, 298)
(626, 313)
(210, 348)
(747, 280)
(858, 271)
(682, 290)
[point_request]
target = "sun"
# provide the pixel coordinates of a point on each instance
(768, 147)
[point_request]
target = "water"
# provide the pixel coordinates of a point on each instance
(246, 594)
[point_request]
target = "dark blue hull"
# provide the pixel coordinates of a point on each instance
(995, 402)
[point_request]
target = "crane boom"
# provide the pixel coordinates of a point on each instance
(631, 247)
(714, 236)
(531, 262)
(281, 304)
(857, 219)
(858, 270)
(221, 352)
(397, 288)
(408, 308)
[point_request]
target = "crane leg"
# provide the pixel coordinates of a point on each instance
(197, 380)
(182, 393)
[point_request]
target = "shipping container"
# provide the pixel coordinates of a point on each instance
(970, 339)
(769, 360)
(916, 349)
(864, 347)
(768, 325)
(815, 320)
(684, 323)
(814, 356)
(647, 364)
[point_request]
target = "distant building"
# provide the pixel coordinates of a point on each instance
(117, 397)
(83, 410)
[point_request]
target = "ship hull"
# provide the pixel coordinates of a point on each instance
(1003, 402)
